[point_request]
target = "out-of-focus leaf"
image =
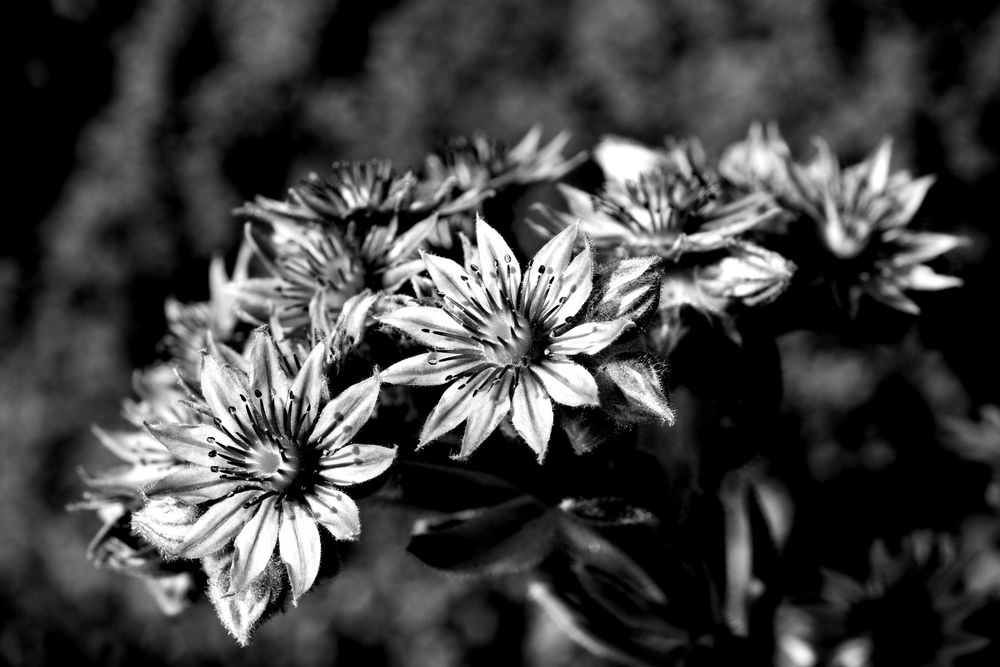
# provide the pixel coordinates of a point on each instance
(511, 536)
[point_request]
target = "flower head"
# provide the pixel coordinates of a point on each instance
(759, 162)
(315, 270)
(861, 214)
(504, 341)
(272, 464)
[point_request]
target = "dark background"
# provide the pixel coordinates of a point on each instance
(138, 126)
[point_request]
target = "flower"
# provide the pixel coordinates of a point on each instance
(759, 162)
(272, 464)
(315, 270)
(193, 326)
(679, 211)
(861, 214)
(478, 163)
(367, 193)
(911, 609)
(504, 341)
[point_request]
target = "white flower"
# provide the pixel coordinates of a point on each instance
(503, 341)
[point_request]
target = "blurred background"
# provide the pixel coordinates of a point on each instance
(138, 126)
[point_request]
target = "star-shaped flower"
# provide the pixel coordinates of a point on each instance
(504, 341)
(316, 269)
(272, 465)
(861, 214)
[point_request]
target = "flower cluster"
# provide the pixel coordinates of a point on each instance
(376, 337)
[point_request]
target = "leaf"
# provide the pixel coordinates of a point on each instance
(242, 612)
(508, 537)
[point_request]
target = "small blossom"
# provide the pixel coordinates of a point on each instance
(861, 214)
(504, 342)
(272, 464)
(316, 270)
(759, 162)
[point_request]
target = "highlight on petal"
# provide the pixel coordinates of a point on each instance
(345, 414)
(254, 545)
(588, 338)
(191, 442)
(555, 254)
(356, 463)
(217, 527)
(451, 280)
(453, 407)
(496, 261)
(488, 409)
(429, 326)
(308, 390)
(531, 413)
(299, 547)
(567, 382)
(193, 484)
(337, 512)
(428, 369)
(224, 388)
(268, 382)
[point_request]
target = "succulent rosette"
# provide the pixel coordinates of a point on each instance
(505, 341)
(271, 466)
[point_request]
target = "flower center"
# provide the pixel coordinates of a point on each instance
(509, 340)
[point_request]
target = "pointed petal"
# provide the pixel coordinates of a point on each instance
(299, 546)
(224, 389)
(567, 382)
(924, 246)
(268, 382)
(531, 413)
(489, 407)
(578, 282)
(337, 512)
(254, 545)
(500, 269)
(910, 198)
(453, 407)
(555, 254)
(922, 277)
(193, 484)
(451, 280)
(356, 463)
(429, 369)
(878, 174)
(309, 389)
(345, 414)
(191, 442)
(429, 326)
(217, 527)
(589, 337)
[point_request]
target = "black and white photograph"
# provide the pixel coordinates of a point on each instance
(566, 333)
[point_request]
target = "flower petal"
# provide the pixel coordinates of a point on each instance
(451, 280)
(353, 464)
(254, 545)
(430, 326)
(217, 527)
(225, 390)
(589, 337)
(453, 407)
(193, 484)
(531, 413)
(309, 389)
(575, 286)
(429, 369)
(489, 407)
(299, 546)
(500, 269)
(337, 512)
(268, 382)
(345, 414)
(567, 382)
(191, 442)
